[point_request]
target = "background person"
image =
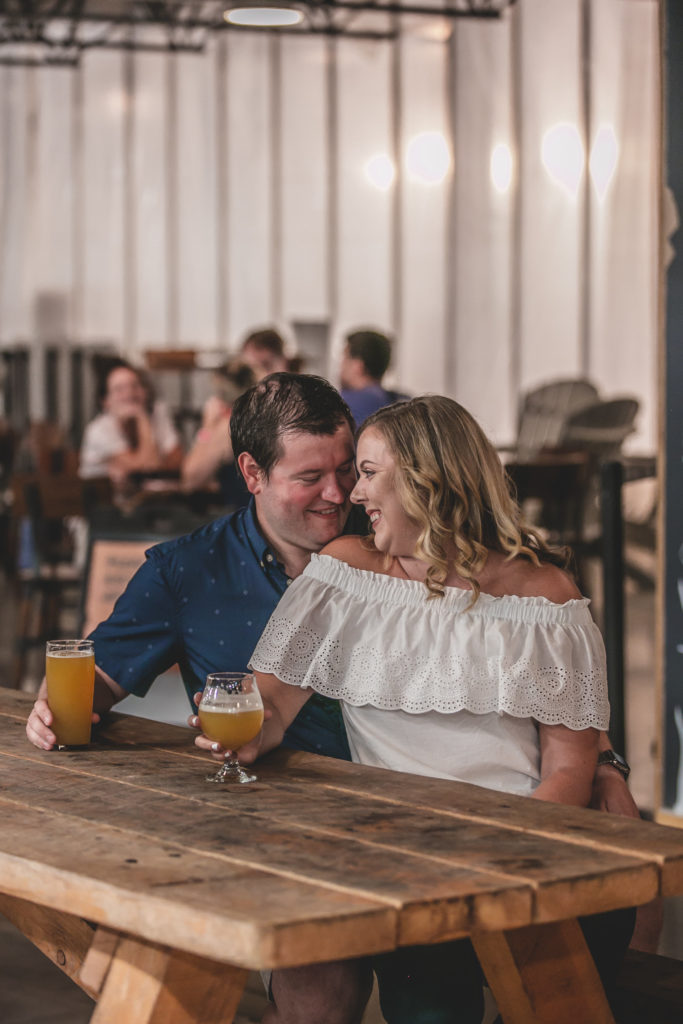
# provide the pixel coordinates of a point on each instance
(132, 434)
(210, 463)
(264, 351)
(458, 648)
(365, 360)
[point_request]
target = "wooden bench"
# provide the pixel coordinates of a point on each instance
(650, 990)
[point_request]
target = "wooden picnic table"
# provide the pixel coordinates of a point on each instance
(157, 892)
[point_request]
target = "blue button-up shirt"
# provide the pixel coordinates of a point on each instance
(202, 601)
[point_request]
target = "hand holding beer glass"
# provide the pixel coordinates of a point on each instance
(70, 675)
(231, 712)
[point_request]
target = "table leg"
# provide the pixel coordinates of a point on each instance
(150, 984)
(63, 938)
(543, 974)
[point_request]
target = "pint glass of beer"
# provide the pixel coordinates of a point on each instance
(70, 674)
(231, 712)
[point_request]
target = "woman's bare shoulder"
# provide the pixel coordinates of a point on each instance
(547, 581)
(357, 552)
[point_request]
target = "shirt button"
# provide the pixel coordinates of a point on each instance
(288, 582)
(269, 558)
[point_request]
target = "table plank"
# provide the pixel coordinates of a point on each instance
(548, 864)
(658, 844)
(179, 898)
(436, 898)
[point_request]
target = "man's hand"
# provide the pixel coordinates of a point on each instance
(610, 793)
(38, 725)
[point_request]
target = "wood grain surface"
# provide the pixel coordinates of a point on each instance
(319, 859)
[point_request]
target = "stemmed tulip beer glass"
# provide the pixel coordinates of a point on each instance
(231, 712)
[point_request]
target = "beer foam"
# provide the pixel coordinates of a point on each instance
(69, 654)
(246, 703)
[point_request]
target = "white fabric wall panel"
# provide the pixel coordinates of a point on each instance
(484, 199)
(364, 212)
(551, 219)
(247, 180)
(104, 106)
(196, 199)
(52, 228)
(422, 348)
(150, 200)
(625, 239)
(179, 199)
(304, 179)
(16, 255)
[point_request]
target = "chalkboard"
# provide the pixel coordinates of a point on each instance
(672, 794)
(112, 561)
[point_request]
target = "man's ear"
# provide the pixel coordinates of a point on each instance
(252, 472)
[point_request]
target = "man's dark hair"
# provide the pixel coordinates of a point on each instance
(281, 403)
(373, 349)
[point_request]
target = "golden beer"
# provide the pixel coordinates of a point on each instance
(231, 728)
(231, 712)
(70, 674)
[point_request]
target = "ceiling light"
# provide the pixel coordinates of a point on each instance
(264, 14)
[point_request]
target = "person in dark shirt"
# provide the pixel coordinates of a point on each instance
(201, 601)
(365, 360)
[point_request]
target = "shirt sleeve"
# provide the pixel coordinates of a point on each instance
(140, 638)
(101, 442)
(166, 434)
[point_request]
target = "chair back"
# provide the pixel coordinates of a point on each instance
(601, 428)
(48, 500)
(544, 411)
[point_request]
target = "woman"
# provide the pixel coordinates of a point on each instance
(459, 647)
(132, 434)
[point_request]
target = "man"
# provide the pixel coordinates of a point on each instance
(203, 600)
(365, 360)
(264, 352)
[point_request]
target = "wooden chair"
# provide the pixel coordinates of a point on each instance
(49, 578)
(544, 411)
(600, 428)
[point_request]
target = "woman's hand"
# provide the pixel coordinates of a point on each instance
(246, 754)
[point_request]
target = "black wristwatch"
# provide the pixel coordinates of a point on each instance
(616, 760)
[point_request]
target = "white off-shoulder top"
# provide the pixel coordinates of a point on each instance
(435, 687)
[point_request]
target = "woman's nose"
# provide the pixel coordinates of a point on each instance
(357, 493)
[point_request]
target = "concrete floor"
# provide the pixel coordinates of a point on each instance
(34, 991)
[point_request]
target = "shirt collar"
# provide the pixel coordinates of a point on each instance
(266, 556)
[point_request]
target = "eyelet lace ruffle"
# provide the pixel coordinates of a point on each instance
(366, 638)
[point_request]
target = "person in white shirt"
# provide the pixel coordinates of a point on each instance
(459, 647)
(131, 434)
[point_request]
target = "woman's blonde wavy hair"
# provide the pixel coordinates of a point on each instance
(451, 483)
